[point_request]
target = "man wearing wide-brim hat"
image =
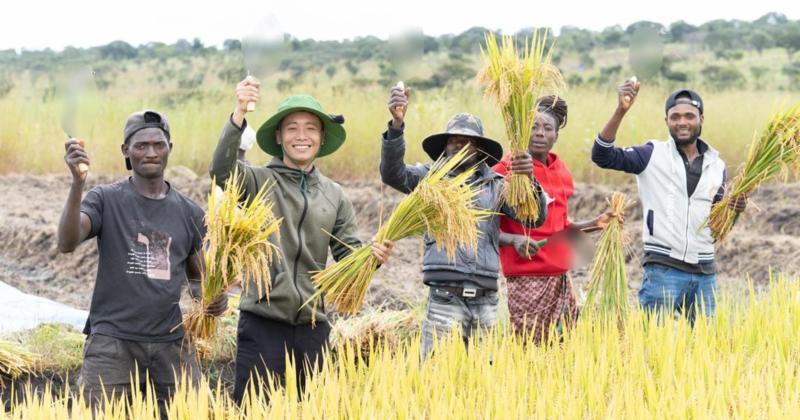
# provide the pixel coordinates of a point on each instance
(463, 292)
(311, 206)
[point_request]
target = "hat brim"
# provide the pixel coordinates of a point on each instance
(335, 134)
(434, 146)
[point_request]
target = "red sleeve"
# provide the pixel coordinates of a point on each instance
(501, 167)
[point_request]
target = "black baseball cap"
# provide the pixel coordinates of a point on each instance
(141, 120)
(684, 96)
(145, 119)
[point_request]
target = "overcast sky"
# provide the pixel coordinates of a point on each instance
(35, 24)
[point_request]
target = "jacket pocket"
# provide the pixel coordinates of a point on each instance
(650, 217)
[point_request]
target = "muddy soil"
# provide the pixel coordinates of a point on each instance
(767, 237)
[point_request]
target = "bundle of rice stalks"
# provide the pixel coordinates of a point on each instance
(516, 83)
(775, 152)
(608, 284)
(237, 250)
(440, 205)
(392, 328)
(15, 360)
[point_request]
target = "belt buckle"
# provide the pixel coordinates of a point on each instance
(469, 292)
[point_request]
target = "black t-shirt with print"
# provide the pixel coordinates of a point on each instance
(143, 247)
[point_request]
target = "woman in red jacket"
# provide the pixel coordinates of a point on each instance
(539, 292)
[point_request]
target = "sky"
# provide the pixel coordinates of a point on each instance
(33, 24)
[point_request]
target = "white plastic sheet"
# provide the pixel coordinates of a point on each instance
(21, 311)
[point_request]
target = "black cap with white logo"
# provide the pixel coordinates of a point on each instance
(684, 96)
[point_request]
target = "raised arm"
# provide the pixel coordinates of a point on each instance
(74, 226)
(394, 171)
(225, 158)
(626, 96)
(631, 159)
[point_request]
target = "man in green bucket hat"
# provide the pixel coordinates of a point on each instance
(317, 216)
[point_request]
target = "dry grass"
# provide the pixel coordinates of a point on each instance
(15, 360)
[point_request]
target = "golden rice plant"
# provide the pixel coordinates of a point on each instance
(516, 82)
(608, 284)
(441, 206)
(238, 249)
(773, 153)
(741, 363)
(15, 360)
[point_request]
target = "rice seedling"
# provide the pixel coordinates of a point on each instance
(608, 285)
(773, 153)
(516, 83)
(15, 360)
(238, 250)
(441, 206)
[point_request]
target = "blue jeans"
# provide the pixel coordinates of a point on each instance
(447, 311)
(665, 289)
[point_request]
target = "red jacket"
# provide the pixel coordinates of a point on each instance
(553, 259)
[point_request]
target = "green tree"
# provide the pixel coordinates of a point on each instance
(760, 40)
(721, 78)
(792, 71)
(680, 30)
(232, 45)
(330, 71)
(758, 73)
(789, 38)
(351, 67)
(576, 39)
(612, 37)
(118, 50)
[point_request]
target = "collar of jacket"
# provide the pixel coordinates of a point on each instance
(709, 153)
(301, 178)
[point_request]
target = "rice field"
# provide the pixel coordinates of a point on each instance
(31, 137)
(742, 363)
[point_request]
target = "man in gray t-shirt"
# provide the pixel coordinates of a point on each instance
(149, 240)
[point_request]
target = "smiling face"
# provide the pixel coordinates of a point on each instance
(300, 134)
(148, 151)
(544, 135)
(685, 123)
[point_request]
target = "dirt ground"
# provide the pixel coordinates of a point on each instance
(767, 237)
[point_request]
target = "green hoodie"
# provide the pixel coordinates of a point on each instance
(310, 205)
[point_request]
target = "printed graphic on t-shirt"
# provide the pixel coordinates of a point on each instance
(150, 256)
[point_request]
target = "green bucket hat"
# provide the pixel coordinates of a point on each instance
(334, 132)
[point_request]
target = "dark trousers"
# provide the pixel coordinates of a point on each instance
(110, 364)
(262, 347)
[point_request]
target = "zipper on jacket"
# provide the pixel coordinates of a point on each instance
(686, 240)
(688, 209)
(299, 249)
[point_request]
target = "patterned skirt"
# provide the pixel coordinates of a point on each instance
(537, 304)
